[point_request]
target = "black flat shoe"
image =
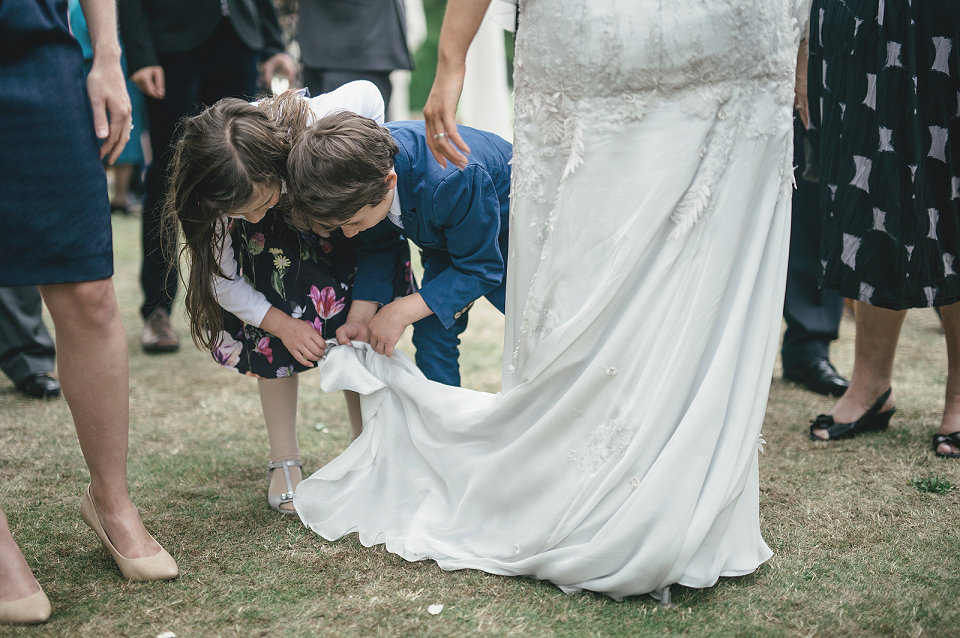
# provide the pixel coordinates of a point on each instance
(872, 421)
(40, 386)
(950, 439)
(818, 376)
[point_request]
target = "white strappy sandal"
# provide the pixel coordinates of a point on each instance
(277, 500)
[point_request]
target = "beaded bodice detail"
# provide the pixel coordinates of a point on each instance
(709, 59)
(699, 54)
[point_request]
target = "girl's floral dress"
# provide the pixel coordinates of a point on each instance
(307, 276)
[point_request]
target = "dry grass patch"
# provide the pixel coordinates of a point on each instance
(859, 550)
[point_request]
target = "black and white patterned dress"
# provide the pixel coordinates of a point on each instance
(884, 93)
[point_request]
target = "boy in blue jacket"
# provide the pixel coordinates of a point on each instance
(348, 172)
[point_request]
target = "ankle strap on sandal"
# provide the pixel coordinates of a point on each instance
(287, 496)
(274, 465)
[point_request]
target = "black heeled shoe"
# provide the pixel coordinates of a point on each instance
(951, 439)
(872, 421)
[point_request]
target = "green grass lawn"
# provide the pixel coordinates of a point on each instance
(859, 550)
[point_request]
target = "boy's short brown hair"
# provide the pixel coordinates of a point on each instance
(337, 166)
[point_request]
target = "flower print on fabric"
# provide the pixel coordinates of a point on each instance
(255, 244)
(227, 352)
(299, 273)
(280, 263)
(263, 347)
(325, 301)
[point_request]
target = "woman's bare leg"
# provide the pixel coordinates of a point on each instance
(16, 579)
(94, 374)
(950, 315)
(878, 331)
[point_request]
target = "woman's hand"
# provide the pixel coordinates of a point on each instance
(440, 114)
(461, 20)
(106, 85)
(151, 81)
(112, 113)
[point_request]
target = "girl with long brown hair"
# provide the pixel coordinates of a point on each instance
(261, 295)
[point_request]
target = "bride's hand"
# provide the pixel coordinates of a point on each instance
(440, 114)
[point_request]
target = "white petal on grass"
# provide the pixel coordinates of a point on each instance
(433, 610)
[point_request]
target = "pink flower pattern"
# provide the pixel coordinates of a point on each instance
(317, 325)
(263, 347)
(326, 302)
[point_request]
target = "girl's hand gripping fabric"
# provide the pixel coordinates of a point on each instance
(299, 337)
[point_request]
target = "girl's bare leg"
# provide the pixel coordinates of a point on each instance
(278, 398)
(94, 371)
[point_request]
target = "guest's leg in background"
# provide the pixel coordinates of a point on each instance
(27, 353)
(812, 315)
(222, 66)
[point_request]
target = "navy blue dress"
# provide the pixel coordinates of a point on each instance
(54, 210)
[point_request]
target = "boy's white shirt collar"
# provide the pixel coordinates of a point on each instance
(394, 213)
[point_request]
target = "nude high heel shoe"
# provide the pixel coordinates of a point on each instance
(29, 610)
(160, 566)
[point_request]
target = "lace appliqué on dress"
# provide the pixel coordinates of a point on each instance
(607, 442)
(742, 49)
(538, 319)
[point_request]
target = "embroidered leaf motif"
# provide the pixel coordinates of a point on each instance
(276, 281)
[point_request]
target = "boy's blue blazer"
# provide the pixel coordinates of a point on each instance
(460, 216)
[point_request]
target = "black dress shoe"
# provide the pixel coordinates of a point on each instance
(40, 386)
(819, 376)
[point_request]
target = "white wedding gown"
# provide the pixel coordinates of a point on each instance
(650, 204)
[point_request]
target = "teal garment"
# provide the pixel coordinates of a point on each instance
(78, 26)
(133, 151)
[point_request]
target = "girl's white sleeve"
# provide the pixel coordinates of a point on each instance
(234, 293)
(360, 97)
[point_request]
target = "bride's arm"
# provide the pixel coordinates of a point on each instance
(460, 23)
